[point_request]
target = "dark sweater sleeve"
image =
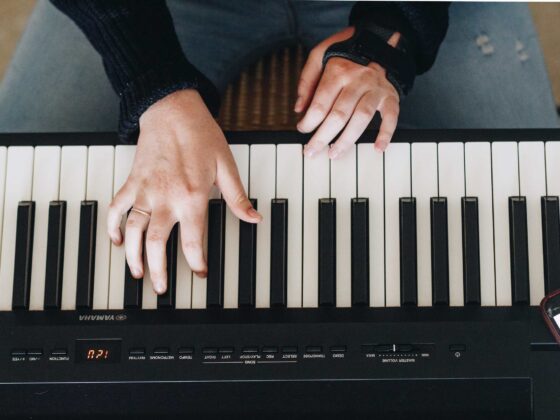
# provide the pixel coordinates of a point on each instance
(141, 54)
(422, 24)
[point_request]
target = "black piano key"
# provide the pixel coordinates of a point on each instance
(327, 252)
(247, 262)
(408, 255)
(23, 254)
(86, 255)
(279, 252)
(440, 251)
(167, 300)
(55, 254)
(216, 253)
(519, 250)
(551, 242)
(360, 251)
(132, 290)
(471, 251)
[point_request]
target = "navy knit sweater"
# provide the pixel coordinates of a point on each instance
(144, 60)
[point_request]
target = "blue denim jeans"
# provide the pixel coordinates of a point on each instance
(489, 73)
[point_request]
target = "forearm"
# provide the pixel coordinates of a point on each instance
(141, 54)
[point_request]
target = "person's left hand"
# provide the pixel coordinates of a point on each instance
(346, 95)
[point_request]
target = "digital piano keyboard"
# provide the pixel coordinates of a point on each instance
(400, 285)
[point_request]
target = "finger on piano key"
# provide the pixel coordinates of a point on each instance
(262, 183)
(149, 296)
(408, 251)
(167, 300)
(370, 186)
(478, 183)
(519, 250)
(46, 170)
(86, 255)
(505, 180)
(360, 252)
(183, 295)
(55, 255)
(23, 255)
(440, 252)
(551, 243)
(343, 189)
(279, 252)
(124, 157)
(451, 181)
(289, 185)
(132, 290)
(100, 188)
(397, 185)
(231, 271)
(424, 187)
(327, 252)
(19, 181)
(199, 284)
(216, 250)
(73, 171)
(532, 186)
(316, 176)
(247, 261)
(471, 251)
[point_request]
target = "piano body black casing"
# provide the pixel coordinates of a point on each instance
(510, 367)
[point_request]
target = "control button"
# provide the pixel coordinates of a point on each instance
(35, 352)
(314, 349)
(226, 350)
(19, 353)
(384, 348)
(289, 349)
(185, 350)
(457, 348)
(209, 350)
(405, 348)
(338, 349)
(59, 353)
(161, 351)
(270, 349)
(250, 350)
(138, 351)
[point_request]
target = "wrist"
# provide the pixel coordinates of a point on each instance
(167, 108)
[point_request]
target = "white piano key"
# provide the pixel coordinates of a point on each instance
(199, 283)
(46, 170)
(397, 185)
(99, 187)
(343, 189)
(532, 185)
(262, 184)
(19, 180)
(478, 181)
(552, 168)
(149, 296)
(183, 290)
(505, 184)
(124, 157)
(231, 261)
(370, 185)
(424, 187)
(315, 186)
(451, 166)
(73, 174)
(289, 185)
(3, 164)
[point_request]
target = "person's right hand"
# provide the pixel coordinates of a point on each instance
(181, 154)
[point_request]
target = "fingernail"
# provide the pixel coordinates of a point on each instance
(136, 272)
(253, 213)
(298, 104)
(160, 288)
(308, 151)
(333, 153)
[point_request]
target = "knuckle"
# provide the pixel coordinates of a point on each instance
(339, 115)
(155, 238)
(319, 108)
